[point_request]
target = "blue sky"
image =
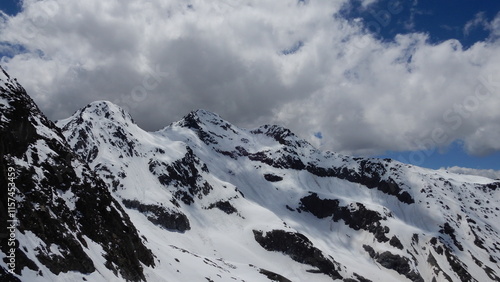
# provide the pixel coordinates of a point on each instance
(10, 7)
(442, 20)
(454, 155)
(367, 88)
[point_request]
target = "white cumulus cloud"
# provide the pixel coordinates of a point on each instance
(490, 173)
(296, 63)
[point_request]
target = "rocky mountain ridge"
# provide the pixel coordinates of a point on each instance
(65, 216)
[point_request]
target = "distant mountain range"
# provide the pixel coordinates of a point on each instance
(97, 198)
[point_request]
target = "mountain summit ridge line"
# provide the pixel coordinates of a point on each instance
(204, 200)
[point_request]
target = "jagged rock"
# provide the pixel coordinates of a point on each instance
(224, 206)
(272, 177)
(396, 243)
(184, 174)
(192, 120)
(448, 230)
(395, 262)
(285, 161)
(370, 175)
(274, 276)
(437, 269)
(283, 135)
(299, 248)
(358, 278)
(168, 219)
(357, 216)
(319, 207)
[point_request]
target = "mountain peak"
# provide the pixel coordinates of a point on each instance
(20, 117)
(108, 110)
(99, 112)
(61, 207)
(100, 118)
(197, 117)
(204, 113)
(200, 119)
(9, 86)
(13, 96)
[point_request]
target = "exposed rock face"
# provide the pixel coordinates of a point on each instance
(395, 262)
(60, 203)
(183, 174)
(299, 248)
(395, 242)
(274, 276)
(369, 173)
(356, 216)
(159, 215)
(272, 177)
(224, 206)
(321, 208)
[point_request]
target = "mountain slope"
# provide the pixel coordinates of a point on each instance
(65, 223)
(262, 204)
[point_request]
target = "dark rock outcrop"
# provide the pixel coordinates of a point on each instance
(183, 174)
(450, 231)
(272, 177)
(57, 202)
(395, 262)
(395, 242)
(193, 121)
(369, 173)
(274, 276)
(224, 206)
(299, 248)
(159, 215)
(356, 216)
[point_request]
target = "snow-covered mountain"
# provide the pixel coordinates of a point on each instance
(214, 202)
(59, 220)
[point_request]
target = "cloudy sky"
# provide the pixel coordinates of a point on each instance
(419, 82)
